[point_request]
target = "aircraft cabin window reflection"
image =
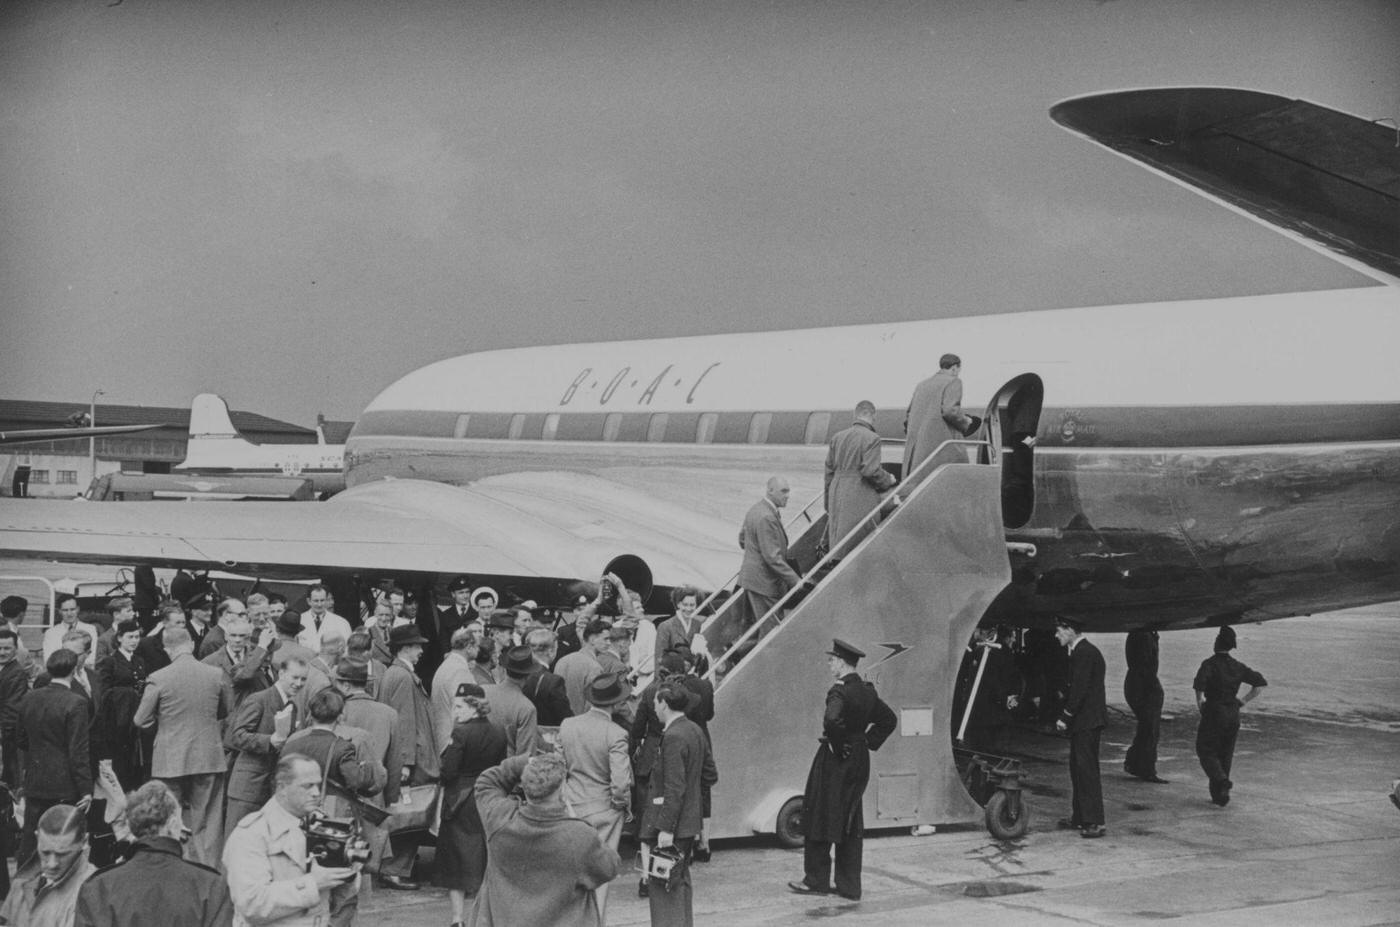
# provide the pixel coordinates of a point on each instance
(656, 428)
(517, 426)
(817, 424)
(551, 426)
(460, 429)
(705, 428)
(758, 427)
(611, 426)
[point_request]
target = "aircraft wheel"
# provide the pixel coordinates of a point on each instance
(1003, 823)
(791, 826)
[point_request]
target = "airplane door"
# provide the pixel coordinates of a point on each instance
(1013, 416)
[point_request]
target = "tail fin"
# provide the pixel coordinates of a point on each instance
(213, 441)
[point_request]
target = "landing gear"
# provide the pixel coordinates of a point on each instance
(995, 783)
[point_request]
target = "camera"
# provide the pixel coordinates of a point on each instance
(665, 864)
(335, 843)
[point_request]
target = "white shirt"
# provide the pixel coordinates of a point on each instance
(53, 640)
(310, 638)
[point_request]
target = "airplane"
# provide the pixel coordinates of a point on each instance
(216, 447)
(37, 435)
(1197, 462)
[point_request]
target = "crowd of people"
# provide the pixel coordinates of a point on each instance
(200, 738)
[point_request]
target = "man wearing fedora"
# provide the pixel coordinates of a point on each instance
(418, 753)
(511, 708)
(854, 723)
(1084, 717)
(599, 786)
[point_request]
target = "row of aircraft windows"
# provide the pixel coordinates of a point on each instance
(657, 425)
(64, 477)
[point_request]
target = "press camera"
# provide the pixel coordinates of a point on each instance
(335, 843)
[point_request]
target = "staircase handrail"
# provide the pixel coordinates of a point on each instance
(917, 480)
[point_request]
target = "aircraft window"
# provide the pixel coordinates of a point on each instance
(758, 427)
(656, 428)
(817, 424)
(517, 426)
(460, 429)
(551, 426)
(611, 426)
(705, 428)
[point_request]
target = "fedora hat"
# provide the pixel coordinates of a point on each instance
(405, 635)
(502, 619)
(352, 670)
(289, 622)
(518, 662)
(607, 689)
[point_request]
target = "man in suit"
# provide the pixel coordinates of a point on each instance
(455, 669)
(1084, 717)
(674, 814)
(418, 753)
(935, 415)
(319, 619)
(14, 683)
(854, 722)
(285, 646)
(151, 650)
(437, 624)
(52, 732)
(13, 609)
(239, 660)
(765, 575)
(544, 689)
(598, 788)
(1142, 690)
(577, 668)
(260, 726)
(185, 702)
(855, 477)
(510, 708)
(119, 609)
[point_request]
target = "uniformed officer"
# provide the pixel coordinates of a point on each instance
(270, 876)
(1142, 690)
(854, 723)
(1084, 717)
(1217, 685)
(157, 886)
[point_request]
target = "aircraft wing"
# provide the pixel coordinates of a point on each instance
(531, 525)
(31, 435)
(1326, 178)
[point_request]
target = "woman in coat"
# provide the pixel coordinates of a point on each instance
(123, 676)
(476, 745)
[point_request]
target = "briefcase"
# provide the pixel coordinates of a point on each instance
(416, 809)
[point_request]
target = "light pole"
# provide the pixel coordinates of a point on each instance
(92, 439)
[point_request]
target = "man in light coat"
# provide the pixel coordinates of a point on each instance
(598, 788)
(455, 669)
(185, 702)
(855, 477)
(271, 878)
(935, 415)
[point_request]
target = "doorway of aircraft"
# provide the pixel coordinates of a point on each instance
(1012, 418)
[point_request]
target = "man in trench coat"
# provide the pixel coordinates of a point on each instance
(854, 476)
(855, 722)
(935, 415)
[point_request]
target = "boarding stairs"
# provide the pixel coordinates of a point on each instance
(907, 585)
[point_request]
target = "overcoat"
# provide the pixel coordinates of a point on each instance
(156, 887)
(935, 415)
(403, 691)
(472, 748)
(855, 722)
(854, 479)
(542, 865)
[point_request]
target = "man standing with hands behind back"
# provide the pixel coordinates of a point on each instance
(1084, 716)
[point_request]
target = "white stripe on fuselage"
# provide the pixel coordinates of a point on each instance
(1295, 348)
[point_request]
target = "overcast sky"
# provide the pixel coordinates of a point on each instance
(295, 203)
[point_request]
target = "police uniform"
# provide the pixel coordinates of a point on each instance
(855, 722)
(1219, 680)
(156, 887)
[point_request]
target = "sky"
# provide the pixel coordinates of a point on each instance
(293, 204)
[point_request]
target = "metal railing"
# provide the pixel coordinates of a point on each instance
(916, 481)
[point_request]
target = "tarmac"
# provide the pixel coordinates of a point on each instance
(1309, 836)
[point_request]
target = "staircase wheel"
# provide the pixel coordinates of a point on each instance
(1001, 822)
(791, 826)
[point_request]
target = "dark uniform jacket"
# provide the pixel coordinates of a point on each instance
(157, 887)
(855, 722)
(14, 683)
(1084, 705)
(53, 730)
(683, 766)
(1220, 677)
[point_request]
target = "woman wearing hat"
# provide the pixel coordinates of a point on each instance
(477, 744)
